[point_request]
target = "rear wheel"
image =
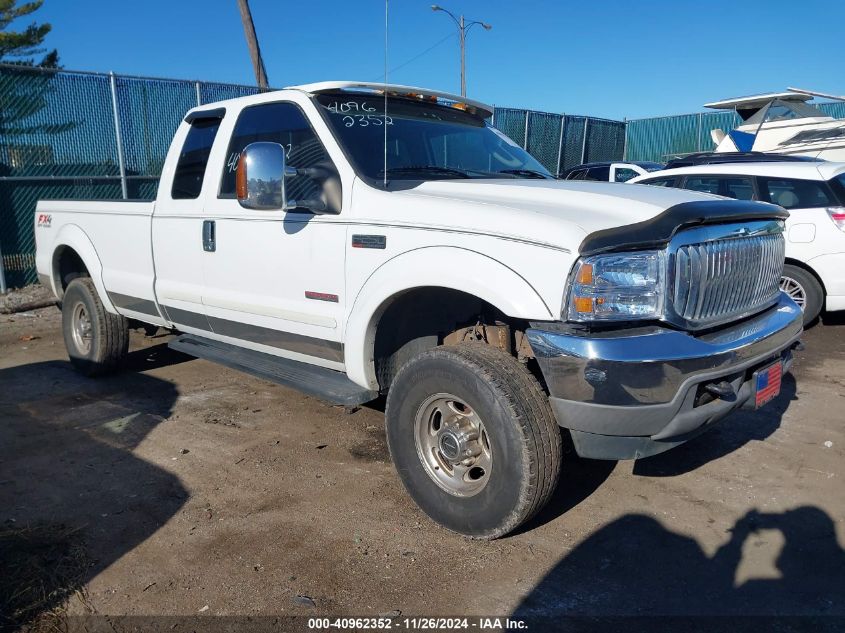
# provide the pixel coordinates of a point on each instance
(804, 289)
(96, 340)
(473, 438)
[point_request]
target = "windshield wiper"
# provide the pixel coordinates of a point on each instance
(434, 170)
(528, 173)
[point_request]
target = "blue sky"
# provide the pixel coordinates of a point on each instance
(610, 58)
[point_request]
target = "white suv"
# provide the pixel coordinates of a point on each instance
(814, 195)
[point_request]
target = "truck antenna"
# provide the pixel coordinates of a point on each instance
(385, 91)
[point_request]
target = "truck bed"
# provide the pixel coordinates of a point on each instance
(113, 234)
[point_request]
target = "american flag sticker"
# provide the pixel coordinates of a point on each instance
(767, 383)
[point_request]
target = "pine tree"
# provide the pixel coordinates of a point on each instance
(19, 47)
(25, 91)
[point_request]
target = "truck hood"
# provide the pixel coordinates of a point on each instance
(553, 212)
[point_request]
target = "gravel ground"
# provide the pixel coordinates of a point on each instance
(179, 487)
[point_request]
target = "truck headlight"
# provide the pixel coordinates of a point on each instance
(618, 287)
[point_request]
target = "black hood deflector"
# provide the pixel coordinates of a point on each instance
(657, 231)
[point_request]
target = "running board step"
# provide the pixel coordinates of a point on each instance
(323, 383)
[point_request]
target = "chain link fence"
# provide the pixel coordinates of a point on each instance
(80, 135)
(560, 141)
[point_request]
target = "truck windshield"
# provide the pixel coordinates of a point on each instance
(425, 141)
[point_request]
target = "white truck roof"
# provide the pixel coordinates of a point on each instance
(482, 109)
(367, 86)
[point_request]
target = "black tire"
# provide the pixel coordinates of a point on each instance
(524, 439)
(106, 334)
(802, 284)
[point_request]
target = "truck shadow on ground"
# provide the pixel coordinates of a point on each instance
(728, 435)
(73, 496)
(579, 478)
(636, 566)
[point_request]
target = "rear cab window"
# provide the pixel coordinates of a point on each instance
(793, 193)
(193, 159)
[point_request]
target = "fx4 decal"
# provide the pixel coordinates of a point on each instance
(44, 220)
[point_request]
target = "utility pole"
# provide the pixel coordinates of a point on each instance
(252, 43)
(463, 27)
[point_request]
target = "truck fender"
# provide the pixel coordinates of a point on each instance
(439, 266)
(72, 236)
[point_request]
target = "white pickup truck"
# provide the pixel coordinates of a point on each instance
(353, 240)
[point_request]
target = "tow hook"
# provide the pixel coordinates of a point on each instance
(722, 389)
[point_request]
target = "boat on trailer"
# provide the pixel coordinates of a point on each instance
(782, 123)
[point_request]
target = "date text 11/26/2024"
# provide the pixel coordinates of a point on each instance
(417, 624)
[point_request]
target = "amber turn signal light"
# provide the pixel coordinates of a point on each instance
(240, 178)
(583, 304)
(585, 274)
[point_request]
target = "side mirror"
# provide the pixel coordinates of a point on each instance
(260, 180)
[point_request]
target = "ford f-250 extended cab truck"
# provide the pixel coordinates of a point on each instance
(354, 240)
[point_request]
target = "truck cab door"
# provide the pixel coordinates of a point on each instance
(177, 238)
(275, 279)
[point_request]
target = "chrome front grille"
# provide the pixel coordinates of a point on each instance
(723, 279)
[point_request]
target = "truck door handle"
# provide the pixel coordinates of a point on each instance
(209, 243)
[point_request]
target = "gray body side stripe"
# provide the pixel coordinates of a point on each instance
(144, 306)
(299, 343)
(186, 317)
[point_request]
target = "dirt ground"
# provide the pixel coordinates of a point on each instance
(179, 487)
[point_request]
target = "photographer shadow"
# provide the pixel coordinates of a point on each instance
(636, 566)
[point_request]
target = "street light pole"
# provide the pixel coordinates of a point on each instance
(463, 57)
(463, 27)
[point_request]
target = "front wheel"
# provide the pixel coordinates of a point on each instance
(473, 438)
(804, 289)
(96, 340)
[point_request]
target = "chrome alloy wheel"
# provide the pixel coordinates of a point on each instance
(80, 327)
(795, 291)
(453, 445)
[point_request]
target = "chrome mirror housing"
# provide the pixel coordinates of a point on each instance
(260, 177)
(260, 181)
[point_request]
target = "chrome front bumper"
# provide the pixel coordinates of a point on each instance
(633, 393)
